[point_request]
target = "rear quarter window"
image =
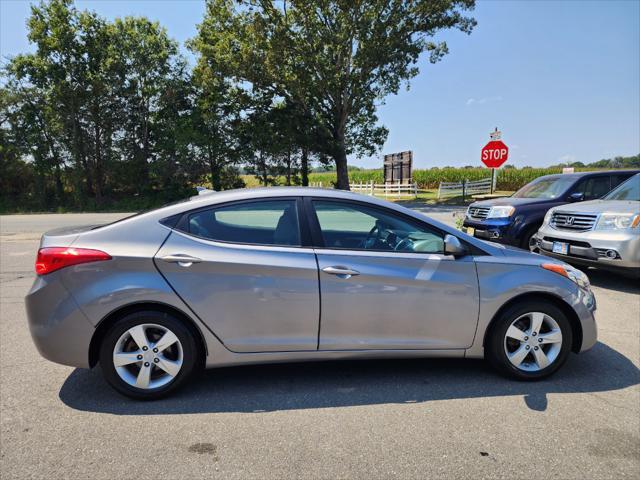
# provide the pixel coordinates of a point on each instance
(272, 222)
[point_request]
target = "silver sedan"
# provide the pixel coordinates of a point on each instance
(295, 274)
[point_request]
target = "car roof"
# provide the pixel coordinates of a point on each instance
(262, 192)
(595, 173)
(148, 220)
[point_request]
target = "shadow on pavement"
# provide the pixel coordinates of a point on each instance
(613, 281)
(266, 388)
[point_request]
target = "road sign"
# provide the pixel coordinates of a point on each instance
(494, 154)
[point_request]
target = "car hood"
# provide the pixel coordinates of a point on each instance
(510, 251)
(601, 206)
(506, 254)
(513, 201)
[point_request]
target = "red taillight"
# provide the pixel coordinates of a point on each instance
(51, 259)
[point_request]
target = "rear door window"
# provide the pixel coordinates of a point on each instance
(594, 187)
(272, 222)
(597, 187)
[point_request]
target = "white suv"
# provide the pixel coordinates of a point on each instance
(601, 233)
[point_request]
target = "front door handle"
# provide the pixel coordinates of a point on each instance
(181, 259)
(342, 272)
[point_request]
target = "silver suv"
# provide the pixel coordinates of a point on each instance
(601, 233)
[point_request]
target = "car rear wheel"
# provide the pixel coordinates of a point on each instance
(148, 355)
(529, 341)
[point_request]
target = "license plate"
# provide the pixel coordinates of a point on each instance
(471, 231)
(560, 247)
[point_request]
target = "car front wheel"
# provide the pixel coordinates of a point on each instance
(529, 341)
(148, 355)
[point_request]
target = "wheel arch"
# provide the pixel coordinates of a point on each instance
(572, 316)
(530, 228)
(110, 319)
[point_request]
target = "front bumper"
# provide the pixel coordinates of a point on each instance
(605, 249)
(584, 304)
(60, 331)
(495, 230)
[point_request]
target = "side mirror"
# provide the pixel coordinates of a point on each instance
(576, 197)
(453, 246)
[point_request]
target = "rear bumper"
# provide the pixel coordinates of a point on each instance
(610, 250)
(59, 329)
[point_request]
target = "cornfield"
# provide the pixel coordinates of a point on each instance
(508, 179)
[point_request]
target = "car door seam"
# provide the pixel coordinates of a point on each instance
(319, 300)
(180, 297)
(475, 334)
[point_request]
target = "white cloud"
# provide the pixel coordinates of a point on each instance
(483, 100)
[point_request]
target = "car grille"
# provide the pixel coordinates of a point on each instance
(573, 221)
(478, 212)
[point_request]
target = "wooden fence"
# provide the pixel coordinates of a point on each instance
(464, 188)
(390, 189)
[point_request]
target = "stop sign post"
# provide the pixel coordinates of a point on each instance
(494, 154)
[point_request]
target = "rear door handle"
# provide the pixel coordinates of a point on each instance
(181, 259)
(340, 271)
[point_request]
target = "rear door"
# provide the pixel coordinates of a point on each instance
(243, 269)
(386, 284)
(594, 187)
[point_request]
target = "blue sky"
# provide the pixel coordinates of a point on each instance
(561, 79)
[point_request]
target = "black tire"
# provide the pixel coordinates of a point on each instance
(495, 343)
(528, 235)
(190, 354)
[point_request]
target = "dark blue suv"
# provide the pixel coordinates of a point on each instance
(514, 220)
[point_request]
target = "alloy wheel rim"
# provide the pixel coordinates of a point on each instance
(148, 356)
(533, 341)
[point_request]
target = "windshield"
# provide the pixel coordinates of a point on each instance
(629, 190)
(545, 188)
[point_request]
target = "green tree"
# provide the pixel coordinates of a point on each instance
(337, 60)
(144, 57)
(93, 97)
(216, 125)
(72, 66)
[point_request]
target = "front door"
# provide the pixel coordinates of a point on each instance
(241, 269)
(386, 284)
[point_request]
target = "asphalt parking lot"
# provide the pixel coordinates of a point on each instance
(364, 419)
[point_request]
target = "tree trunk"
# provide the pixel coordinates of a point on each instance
(288, 171)
(99, 172)
(342, 173)
(216, 181)
(59, 186)
(304, 167)
(144, 164)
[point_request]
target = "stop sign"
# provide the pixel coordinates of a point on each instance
(494, 154)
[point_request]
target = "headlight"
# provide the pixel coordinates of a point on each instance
(576, 276)
(615, 221)
(501, 212)
(547, 218)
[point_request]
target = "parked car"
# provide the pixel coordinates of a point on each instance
(600, 233)
(295, 274)
(514, 220)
